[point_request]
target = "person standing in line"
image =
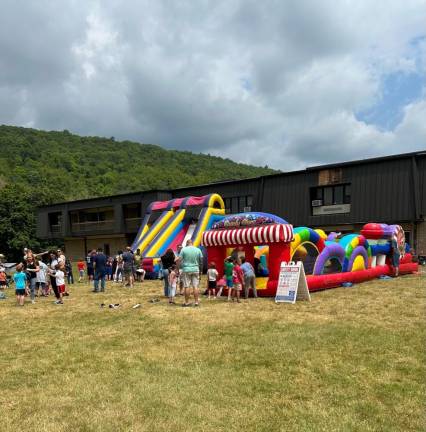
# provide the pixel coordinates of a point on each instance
(229, 267)
(99, 264)
(167, 260)
(237, 280)
(128, 266)
(212, 275)
(173, 276)
(191, 262)
(249, 278)
(20, 279)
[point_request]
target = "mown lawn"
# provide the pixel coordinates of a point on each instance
(351, 360)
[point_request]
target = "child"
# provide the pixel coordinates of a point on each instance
(237, 280)
(59, 276)
(3, 279)
(20, 279)
(212, 276)
(173, 277)
(80, 267)
(221, 284)
(229, 267)
(41, 279)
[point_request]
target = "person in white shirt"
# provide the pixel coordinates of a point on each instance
(41, 279)
(212, 275)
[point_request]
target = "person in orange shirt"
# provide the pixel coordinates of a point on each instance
(81, 266)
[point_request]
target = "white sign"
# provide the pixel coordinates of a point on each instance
(331, 209)
(292, 283)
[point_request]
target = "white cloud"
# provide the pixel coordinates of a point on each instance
(272, 82)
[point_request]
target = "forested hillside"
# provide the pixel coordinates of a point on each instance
(38, 167)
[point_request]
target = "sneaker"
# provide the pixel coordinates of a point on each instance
(66, 294)
(186, 305)
(59, 302)
(33, 301)
(196, 304)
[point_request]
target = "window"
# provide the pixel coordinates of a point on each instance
(336, 197)
(328, 196)
(238, 204)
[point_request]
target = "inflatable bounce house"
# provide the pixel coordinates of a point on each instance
(329, 260)
(167, 224)
(266, 240)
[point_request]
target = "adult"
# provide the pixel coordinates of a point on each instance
(396, 256)
(68, 270)
(249, 278)
(89, 264)
(118, 270)
(191, 263)
(179, 270)
(53, 262)
(31, 268)
(138, 259)
(128, 267)
(167, 260)
(99, 265)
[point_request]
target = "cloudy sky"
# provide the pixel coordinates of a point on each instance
(287, 83)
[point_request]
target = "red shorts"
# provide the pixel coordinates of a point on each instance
(61, 288)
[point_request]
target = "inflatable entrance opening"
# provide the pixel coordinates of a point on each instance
(245, 231)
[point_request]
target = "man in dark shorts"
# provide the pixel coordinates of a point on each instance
(128, 267)
(99, 262)
(89, 264)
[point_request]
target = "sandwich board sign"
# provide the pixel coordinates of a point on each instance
(292, 283)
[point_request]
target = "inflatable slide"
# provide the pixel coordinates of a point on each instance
(167, 224)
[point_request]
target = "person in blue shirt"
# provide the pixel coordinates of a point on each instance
(20, 279)
(249, 278)
(99, 262)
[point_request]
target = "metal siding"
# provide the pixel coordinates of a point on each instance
(381, 190)
(421, 167)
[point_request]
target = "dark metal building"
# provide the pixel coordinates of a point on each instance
(339, 197)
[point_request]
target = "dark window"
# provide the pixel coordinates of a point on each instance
(328, 196)
(318, 194)
(107, 250)
(234, 206)
(347, 198)
(338, 195)
(242, 204)
(238, 204)
(331, 195)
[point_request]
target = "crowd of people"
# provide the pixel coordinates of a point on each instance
(51, 272)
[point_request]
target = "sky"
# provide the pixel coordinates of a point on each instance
(287, 84)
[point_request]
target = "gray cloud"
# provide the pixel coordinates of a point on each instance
(272, 82)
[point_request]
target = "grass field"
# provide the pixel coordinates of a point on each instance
(351, 360)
